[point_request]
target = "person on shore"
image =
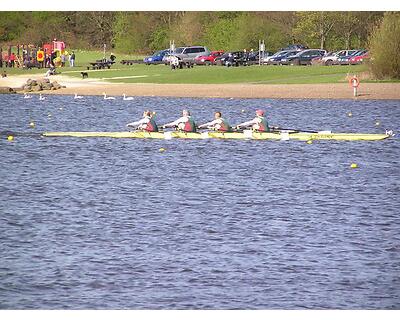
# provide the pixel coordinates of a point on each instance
(218, 124)
(72, 59)
(47, 60)
(51, 71)
(184, 123)
(173, 62)
(53, 57)
(12, 59)
(112, 57)
(259, 123)
(63, 58)
(147, 123)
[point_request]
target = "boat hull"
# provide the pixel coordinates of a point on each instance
(247, 134)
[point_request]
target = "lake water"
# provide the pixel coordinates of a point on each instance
(116, 224)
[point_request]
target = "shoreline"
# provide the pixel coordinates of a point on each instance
(366, 91)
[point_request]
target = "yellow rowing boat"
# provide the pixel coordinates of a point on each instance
(246, 134)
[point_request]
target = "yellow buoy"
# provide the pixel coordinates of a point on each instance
(32, 124)
(350, 114)
(161, 149)
(354, 165)
(10, 138)
(309, 141)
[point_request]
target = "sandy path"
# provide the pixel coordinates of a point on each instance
(308, 91)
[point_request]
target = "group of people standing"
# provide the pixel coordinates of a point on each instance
(186, 123)
(63, 58)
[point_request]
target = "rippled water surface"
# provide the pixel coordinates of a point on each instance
(115, 224)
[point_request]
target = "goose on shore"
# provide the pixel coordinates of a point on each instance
(107, 98)
(77, 97)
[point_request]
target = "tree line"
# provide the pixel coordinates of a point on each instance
(144, 32)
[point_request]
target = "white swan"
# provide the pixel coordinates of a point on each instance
(127, 98)
(107, 98)
(26, 96)
(77, 97)
(41, 97)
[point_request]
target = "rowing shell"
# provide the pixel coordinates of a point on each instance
(246, 134)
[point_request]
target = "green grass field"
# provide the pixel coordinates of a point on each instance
(140, 73)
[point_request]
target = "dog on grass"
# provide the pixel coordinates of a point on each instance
(84, 75)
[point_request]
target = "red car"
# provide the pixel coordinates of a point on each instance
(207, 60)
(359, 58)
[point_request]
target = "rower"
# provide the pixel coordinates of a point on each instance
(184, 123)
(145, 124)
(259, 123)
(218, 124)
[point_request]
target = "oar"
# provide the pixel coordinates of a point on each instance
(7, 133)
(294, 130)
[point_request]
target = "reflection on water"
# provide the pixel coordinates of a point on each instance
(207, 224)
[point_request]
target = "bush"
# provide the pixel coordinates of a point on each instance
(385, 48)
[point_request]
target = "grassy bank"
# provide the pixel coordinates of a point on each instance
(141, 73)
(220, 75)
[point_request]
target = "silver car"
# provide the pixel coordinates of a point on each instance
(334, 57)
(188, 54)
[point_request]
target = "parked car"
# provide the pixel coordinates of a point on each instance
(359, 58)
(208, 59)
(346, 59)
(221, 59)
(188, 54)
(235, 59)
(276, 58)
(297, 47)
(254, 57)
(303, 57)
(234, 56)
(332, 58)
(156, 58)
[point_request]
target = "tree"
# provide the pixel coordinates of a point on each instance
(385, 47)
(252, 27)
(314, 27)
(352, 28)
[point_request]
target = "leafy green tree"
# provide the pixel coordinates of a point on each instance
(251, 27)
(12, 25)
(314, 28)
(385, 47)
(219, 35)
(352, 29)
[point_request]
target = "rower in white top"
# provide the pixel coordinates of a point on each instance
(108, 98)
(184, 123)
(147, 123)
(259, 123)
(218, 124)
